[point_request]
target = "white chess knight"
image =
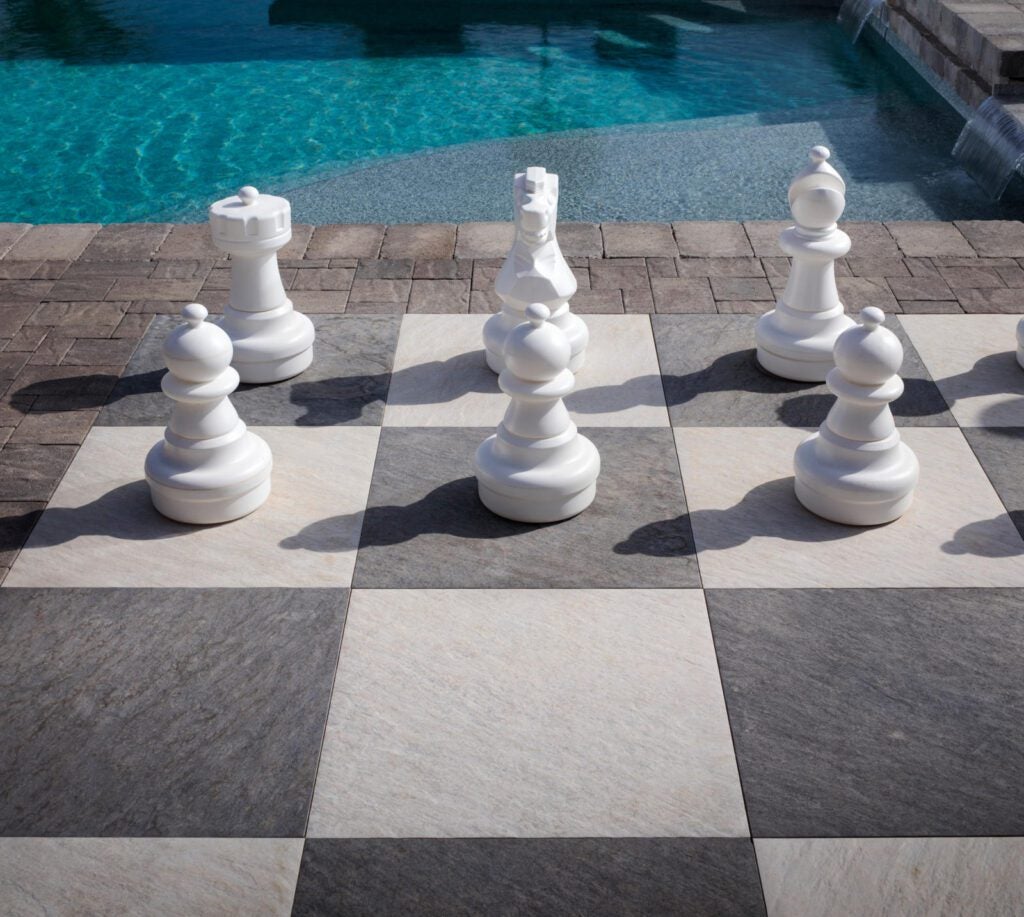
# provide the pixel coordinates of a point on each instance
(537, 467)
(856, 470)
(272, 341)
(535, 271)
(208, 468)
(795, 339)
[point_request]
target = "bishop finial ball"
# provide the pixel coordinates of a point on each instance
(820, 154)
(248, 195)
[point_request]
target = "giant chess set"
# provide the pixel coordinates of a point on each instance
(537, 467)
(532, 611)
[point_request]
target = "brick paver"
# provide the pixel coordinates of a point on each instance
(75, 299)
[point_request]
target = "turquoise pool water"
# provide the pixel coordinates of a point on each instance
(115, 110)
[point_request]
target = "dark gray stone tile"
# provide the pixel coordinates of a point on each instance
(1000, 450)
(592, 876)
(425, 526)
(347, 383)
(875, 712)
(712, 379)
(163, 712)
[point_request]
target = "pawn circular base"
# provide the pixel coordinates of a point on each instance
(227, 484)
(796, 370)
(873, 495)
(206, 507)
(878, 513)
(275, 370)
(536, 508)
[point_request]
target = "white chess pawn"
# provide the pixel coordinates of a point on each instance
(537, 467)
(796, 338)
(272, 341)
(208, 467)
(535, 271)
(856, 470)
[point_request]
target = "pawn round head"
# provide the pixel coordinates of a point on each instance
(537, 350)
(869, 353)
(198, 351)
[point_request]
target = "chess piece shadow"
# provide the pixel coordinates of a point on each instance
(770, 510)
(731, 372)
(992, 374)
(328, 402)
(985, 538)
(453, 508)
(88, 391)
(126, 513)
(342, 399)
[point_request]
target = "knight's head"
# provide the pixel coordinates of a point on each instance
(536, 195)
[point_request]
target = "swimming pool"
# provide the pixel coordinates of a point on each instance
(654, 109)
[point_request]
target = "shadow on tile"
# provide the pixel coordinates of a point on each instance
(451, 509)
(982, 538)
(740, 372)
(106, 516)
(779, 515)
(728, 528)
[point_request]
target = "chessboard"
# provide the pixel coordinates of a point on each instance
(372, 696)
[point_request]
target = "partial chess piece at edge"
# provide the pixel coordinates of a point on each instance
(272, 341)
(856, 470)
(1020, 343)
(535, 271)
(796, 338)
(537, 467)
(208, 468)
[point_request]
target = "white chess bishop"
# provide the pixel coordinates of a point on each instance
(796, 338)
(272, 341)
(856, 470)
(208, 468)
(535, 271)
(537, 467)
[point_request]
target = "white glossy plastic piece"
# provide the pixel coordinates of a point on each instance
(537, 467)
(208, 468)
(1020, 342)
(856, 470)
(535, 271)
(272, 341)
(796, 338)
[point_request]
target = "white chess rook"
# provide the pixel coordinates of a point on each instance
(208, 468)
(796, 338)
(537, 467)
(535, 271)
(856, 470)
(272, 341)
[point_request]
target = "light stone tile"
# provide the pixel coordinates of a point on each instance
(147, 877)
(751, 531)
(911, 877)
(101, 529)
(532, 713)
(441, 379)
(972, 359)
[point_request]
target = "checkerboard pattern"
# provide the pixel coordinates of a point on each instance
(374, 697)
